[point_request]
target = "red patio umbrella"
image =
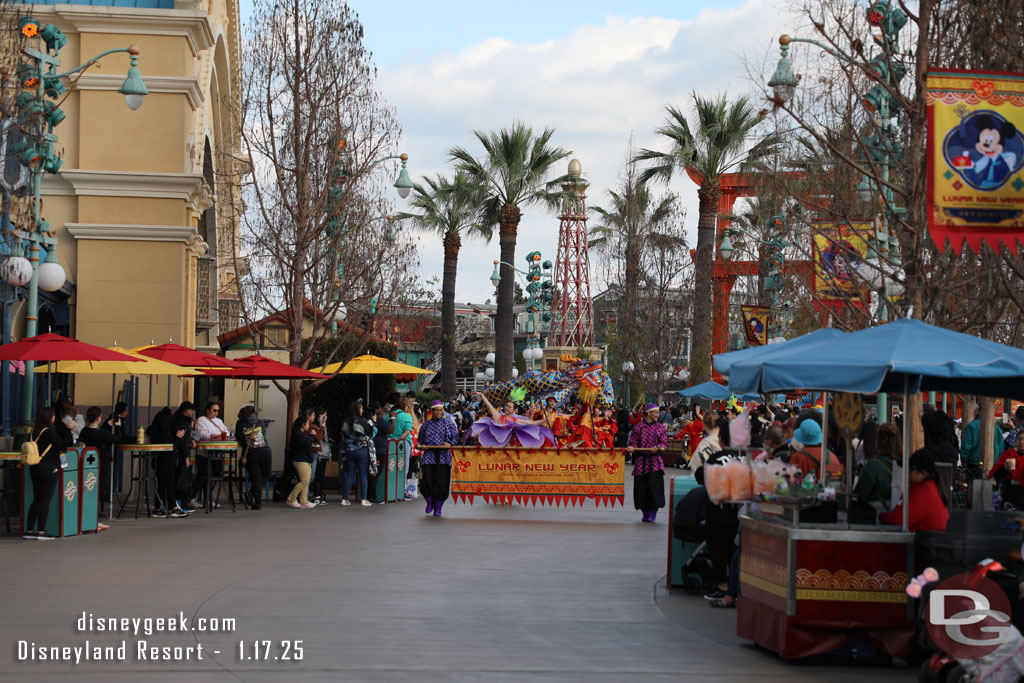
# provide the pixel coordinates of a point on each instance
(182, 355)
(261, 367)
(54, 347)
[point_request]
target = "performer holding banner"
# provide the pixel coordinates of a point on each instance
(647, 440)
(436, 463)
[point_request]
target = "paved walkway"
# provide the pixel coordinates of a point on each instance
(385, 594)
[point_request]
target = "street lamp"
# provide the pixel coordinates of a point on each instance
(404, 183)
(627, 369)
(881, 146)
(37, 116)
(539, 286)
(726, 249)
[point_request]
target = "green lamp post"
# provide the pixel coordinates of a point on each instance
(38, 114)
(881, 146)
(539, 285)
(774, 259)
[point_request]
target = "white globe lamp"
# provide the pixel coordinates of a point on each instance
(51, 277)
(489, 358)
(515, 372)
(489, 372)
(16, 271)
(481, 377)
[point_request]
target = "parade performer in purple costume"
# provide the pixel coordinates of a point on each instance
(648, 467)
(436, 463)
(508, 429)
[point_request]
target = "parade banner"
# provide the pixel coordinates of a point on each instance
(975, 158)
(548, 476)
(839, 248)
(756, 320)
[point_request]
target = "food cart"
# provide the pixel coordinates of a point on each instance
(809, 588)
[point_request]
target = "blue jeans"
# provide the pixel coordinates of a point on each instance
(358, 465)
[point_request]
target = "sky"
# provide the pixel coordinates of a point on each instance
(599, 73)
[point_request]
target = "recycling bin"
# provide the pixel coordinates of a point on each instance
(678, 551)
(88, 490)
(63, 517)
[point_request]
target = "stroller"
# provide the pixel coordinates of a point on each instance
(688, 526)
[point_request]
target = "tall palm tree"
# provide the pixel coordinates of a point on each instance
(626, 226)
(449, 208)
(513, 169)
(721, 140)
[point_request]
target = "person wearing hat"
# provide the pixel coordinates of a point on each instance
(436, 463)
(807, 454)
(648, 467)
(927, 511)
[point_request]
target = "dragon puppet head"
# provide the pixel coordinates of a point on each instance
(585, 380)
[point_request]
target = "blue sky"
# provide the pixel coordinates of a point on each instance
(599, 72)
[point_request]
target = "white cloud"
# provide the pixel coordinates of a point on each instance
(596, 86)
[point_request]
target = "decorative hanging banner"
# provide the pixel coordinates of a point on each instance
(548, 476)
(975, 158)
(839, 249)
(756, 320)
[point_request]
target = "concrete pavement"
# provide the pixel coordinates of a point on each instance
(383, 594)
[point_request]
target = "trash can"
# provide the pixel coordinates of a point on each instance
(89, 491)
(63, 517)
(678, 551)
(391, 479)
(69, 494)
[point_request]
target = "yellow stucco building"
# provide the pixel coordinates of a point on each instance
(139, 204)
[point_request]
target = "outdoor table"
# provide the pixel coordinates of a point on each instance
(225, 452)
(10, 463)
(811, 588)
(142, 453)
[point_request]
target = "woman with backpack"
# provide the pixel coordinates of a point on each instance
(251, 435)
(44, 474)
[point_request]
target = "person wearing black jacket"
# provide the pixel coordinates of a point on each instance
(103, 441)
(251, 435)
(302, 456)
(170, 465)
(383, 426)
(44, 474)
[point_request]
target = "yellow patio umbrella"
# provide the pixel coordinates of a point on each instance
(143, 366)
(371, 365)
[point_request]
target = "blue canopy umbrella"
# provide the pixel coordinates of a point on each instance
(907, 356)
(713, 391)
(901, 356)
(724, 361)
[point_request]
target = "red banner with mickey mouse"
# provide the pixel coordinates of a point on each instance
(975, 158)
(548, 476)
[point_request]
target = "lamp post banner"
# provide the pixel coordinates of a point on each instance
(756, 321)
(975, 158)
(838, 249)
(548, 476)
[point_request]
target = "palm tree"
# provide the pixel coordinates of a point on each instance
(626, 227)
(450, 208)
(722, 140)
(512, 170)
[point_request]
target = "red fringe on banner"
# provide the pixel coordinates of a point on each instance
(958, 235)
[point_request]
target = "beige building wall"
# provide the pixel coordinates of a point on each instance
(127, 203)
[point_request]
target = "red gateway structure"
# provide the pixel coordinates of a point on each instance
(573, 324)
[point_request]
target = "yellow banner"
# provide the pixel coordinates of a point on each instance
(975, 158)
(839, 249)
(548, 476)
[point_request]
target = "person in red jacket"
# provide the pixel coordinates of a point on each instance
(927, 511)
(1009, 472)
